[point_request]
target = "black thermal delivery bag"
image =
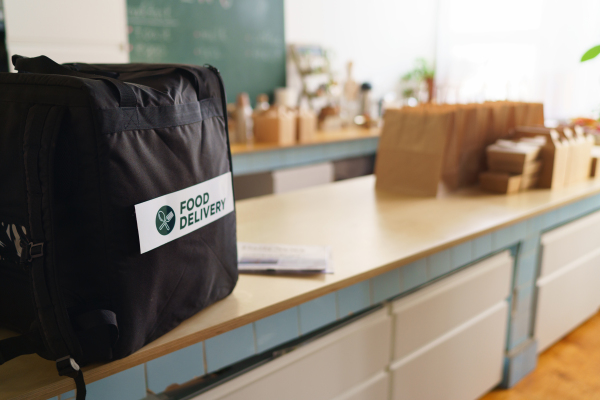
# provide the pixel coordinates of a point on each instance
(117, 217)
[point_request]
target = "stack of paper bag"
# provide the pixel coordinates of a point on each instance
(580, 155)
(275, 125)
(431, 149)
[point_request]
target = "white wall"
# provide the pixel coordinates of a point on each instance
(514, 49)
(521, 50)
(382, 37)
(68, 30)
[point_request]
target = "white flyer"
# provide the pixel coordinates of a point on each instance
(256, 257)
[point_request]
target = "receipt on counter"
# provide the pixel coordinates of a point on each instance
(283, 258)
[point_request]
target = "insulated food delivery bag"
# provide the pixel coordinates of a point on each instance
(117, 217)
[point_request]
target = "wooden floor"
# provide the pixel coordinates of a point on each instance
(568, 370)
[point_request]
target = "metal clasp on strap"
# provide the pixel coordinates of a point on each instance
(36, 250)
(66, 366)
(29, 251)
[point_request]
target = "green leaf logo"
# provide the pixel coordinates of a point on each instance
(591, 53)
(165, 220)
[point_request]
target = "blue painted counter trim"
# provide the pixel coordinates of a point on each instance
(522, 239)
(286, 157)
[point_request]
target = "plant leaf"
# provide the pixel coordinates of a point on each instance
(591, 53)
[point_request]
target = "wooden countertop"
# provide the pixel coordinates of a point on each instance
(370, 233)
(321, 137)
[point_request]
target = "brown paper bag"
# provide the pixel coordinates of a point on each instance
(276, 125)
(522, 113)
(585, 158)
(411, 150)
(307, 126)
(554, 155)
(503, 120)
(474, 141)
(535, 114)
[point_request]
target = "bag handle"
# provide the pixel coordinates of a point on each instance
(44, 65)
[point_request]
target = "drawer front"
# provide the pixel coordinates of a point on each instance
(433, 311)
(567, 298)
(325, 369)
(376, 388)
(463, 365)
(566, 244)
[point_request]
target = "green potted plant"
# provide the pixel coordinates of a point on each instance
(422, 73)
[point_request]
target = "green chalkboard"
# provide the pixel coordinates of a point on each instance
(244, 39)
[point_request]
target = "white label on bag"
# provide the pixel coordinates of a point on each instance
(176, 214)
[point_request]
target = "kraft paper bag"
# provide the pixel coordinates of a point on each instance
(535, 114)
(411, 150)
(306, 125)
(472, 155)
(529, 114)
(503, 120)
(521, 113)
(275, 125)
(554, 155)
(466, 145)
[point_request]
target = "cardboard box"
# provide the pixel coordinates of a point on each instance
(307, 125)
(276, 125)
(511, 157)
(500, 182)
(529, 181)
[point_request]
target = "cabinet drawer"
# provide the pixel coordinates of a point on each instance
(435, 310)
(462, 365)
(567, 298)
(325, 369)
(566, 244)
(376, 388)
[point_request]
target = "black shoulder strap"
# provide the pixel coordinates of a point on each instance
(41, 128)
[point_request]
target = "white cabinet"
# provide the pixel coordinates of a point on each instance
(449, 338)
(568, 285)
(445, 341)
(348, 364)
(566, 244)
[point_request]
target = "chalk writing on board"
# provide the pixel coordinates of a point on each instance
(211, 35)
(208, 53)
(224, 3)
(244, 39)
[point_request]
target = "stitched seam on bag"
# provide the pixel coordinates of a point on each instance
(163, 127)
(160, 316)
(232, 281)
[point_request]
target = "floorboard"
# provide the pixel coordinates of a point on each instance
(569, 370)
